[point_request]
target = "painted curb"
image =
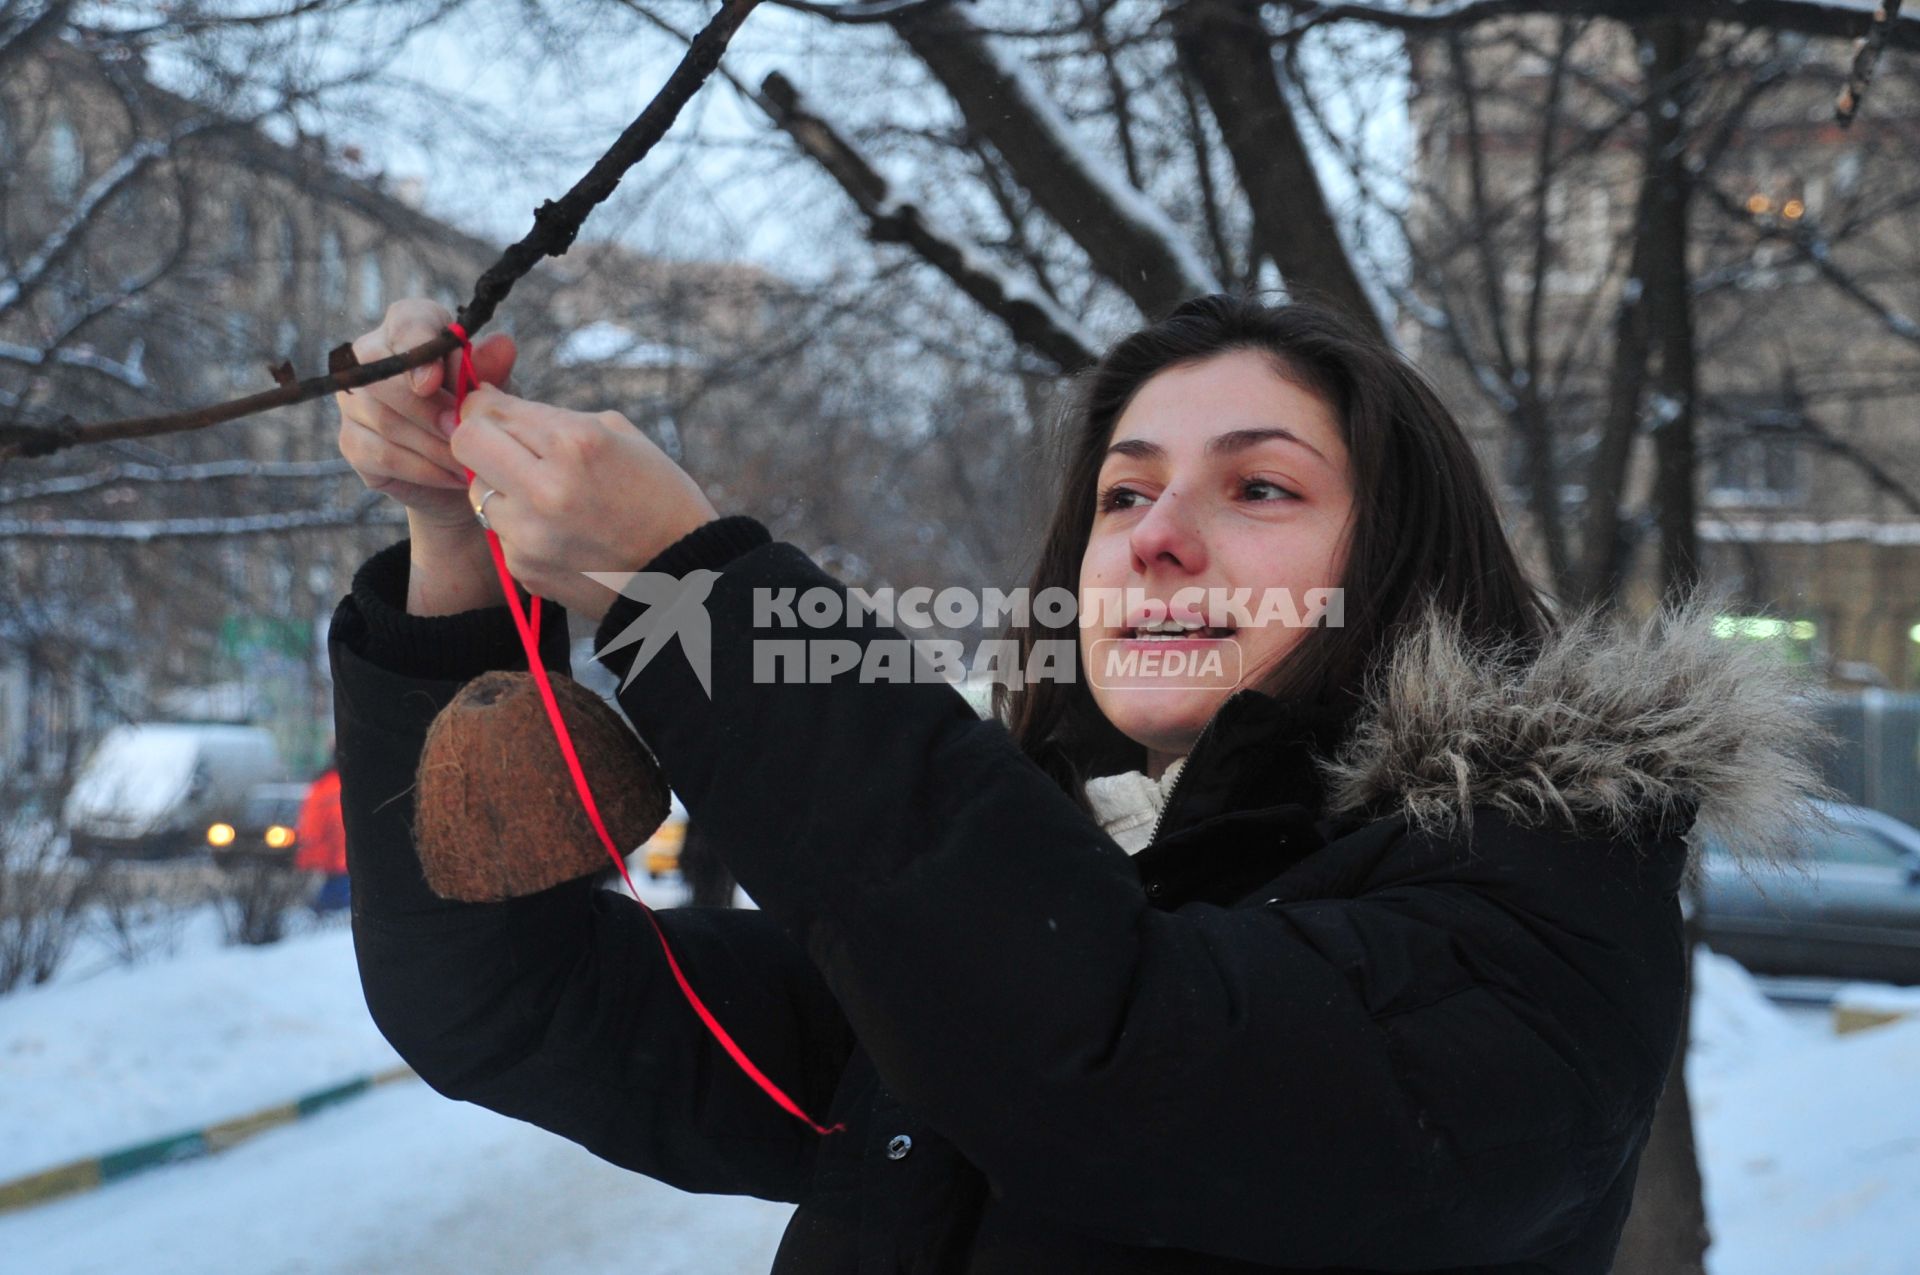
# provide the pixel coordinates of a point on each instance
(97, 1171)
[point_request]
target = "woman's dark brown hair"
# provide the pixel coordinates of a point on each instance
(1425, 532)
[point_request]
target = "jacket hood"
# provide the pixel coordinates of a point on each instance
(1612, 729)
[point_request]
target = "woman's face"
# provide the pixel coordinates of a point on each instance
(1221, 477)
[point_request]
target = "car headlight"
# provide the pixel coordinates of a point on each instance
(220, 834)
(279, 837)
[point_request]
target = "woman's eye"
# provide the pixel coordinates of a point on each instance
(1118, 498)
(1262, 489)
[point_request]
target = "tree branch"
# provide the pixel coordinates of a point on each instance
(1128, 238)
(20, 37)
(1293, 224)
(556, 223)
(1034, 321)
(1866, 57)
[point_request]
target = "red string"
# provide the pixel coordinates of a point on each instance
(527, 621)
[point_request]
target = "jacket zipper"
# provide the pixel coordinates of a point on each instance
(1173, 793)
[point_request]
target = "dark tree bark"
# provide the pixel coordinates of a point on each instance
(1221, 46)
(1126, 237)
(1029, 315)
(1669, 296)
(1666, 1233)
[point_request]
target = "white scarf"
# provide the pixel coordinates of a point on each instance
(1128, 805)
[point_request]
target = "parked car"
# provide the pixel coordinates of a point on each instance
(661, 853)
(151, 789)
(1852, 913)
(261, 831)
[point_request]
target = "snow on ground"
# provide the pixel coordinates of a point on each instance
(91, 1066)
(1810, 1142)
(1810, 1146)
(401, 1180)
(107, 1056)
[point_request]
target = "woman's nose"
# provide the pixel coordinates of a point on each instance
(1168, 536)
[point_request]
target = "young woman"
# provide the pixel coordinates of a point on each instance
(1363, 955)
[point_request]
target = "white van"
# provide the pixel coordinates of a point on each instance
(150, 789)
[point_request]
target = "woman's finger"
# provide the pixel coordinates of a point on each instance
(404, 430)
(377, 457)
(499, 505)
(411, 322)
(496, 457)
(535, 426)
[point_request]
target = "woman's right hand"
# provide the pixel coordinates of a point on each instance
(394, 433)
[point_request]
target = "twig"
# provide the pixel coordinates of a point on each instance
(1031, 317)
(1866, 57)
(555, 225)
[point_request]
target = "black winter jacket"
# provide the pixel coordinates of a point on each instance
(1389, 992)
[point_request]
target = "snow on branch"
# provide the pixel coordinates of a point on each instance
(1033, 318)
(117, 475)
(144, 531)
(60, 240)
(1128, 238)
(128, 371)
(23, 27)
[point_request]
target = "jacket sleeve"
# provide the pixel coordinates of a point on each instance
(559, 1008)
(1280, 1084)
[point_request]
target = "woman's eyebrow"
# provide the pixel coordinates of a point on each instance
(1234, 440)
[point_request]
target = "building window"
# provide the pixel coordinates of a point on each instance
(372, 286)
(66, 164)
(333, 272)
(1573, 457)
(1750, 464)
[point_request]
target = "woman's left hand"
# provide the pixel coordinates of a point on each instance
(572, 492)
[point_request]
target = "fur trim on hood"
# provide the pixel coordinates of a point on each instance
(1611, 729)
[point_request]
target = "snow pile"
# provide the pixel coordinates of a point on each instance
(1810, 1146)
(1877, 998)
(1734, 1024)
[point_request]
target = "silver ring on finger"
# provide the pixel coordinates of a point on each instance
(480, 510)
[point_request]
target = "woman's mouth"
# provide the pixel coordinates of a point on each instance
(1175, 631)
